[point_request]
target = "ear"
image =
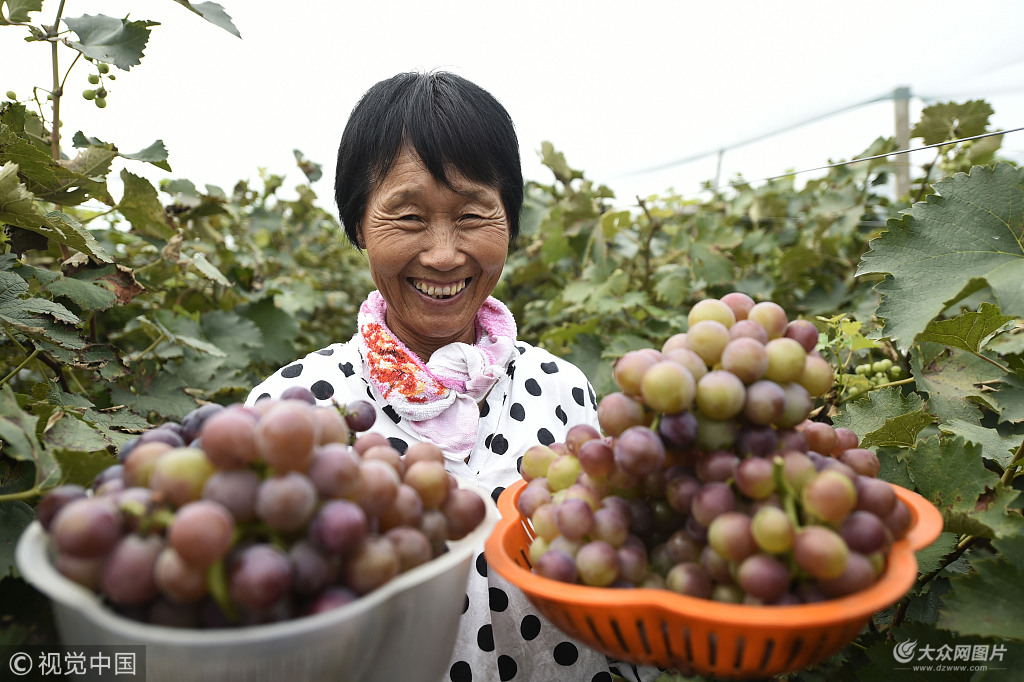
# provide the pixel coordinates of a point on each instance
(359, 237)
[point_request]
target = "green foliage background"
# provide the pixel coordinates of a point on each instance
(119, 313)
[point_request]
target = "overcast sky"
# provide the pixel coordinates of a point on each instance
(617, 86)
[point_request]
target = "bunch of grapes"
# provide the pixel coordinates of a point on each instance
(869, 375)
(709, 479)
(242, 516)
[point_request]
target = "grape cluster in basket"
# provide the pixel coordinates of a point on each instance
(709, 479)
(241, 516)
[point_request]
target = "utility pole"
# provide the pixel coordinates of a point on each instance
(901, 102)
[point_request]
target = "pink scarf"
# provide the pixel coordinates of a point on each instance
(439, 398)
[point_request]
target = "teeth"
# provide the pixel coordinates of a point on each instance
(440, 292)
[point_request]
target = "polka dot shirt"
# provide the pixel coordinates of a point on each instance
(501, 636)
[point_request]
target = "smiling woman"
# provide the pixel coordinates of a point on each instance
(435, 252)
(429, 184)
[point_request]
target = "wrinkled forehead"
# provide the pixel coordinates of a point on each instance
(408, 178)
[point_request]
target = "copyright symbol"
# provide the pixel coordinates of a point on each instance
(20, 663)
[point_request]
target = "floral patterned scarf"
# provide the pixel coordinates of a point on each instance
(439, 398)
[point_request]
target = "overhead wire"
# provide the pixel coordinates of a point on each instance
(869, 158)
(895, 94)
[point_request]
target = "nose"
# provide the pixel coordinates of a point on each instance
(442, 252)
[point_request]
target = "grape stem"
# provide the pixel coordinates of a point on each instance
(35, 491)
(655, 225)
(17, 369)
(922, 580)
(159, 339)
(1011, 470)
(217, 582)
(786, 491)
(850, 397)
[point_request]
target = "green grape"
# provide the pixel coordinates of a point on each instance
(711, 309)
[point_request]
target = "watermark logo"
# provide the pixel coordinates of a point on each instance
(947, 657)
(84, 663)
(904, 651)
(20, 663)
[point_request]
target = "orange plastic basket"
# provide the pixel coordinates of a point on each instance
(674, 631)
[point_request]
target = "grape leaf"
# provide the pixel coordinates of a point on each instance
(17, 10)
(17, 204)
(64, 229)
(82, 466)
(967, 330)
(198, 345)
(312, 171)
(885, 418)
(116, 424)
(95, 357)
(555, 245)
(894, 467)
(141, 206)
(710, 264)
(92, 161)
(18, 431)
(1008, 343)
(997, 513)
(585, 353)
(900, 431)
(67, 431)
(950, 474)
(930, 558)
(18, 207)
(207, 269)
(155, 153)
(555, 161)
(45, 178)
(672, 285)
(987, 600)
(163, 395)
(946, 121)
(232, 333)
(116, 41)
(25, 314)
(952, 380)
(179, 330)
(41, 306)
(14, 519)
(994, 445)
(924, 607)
(1009, 399)
(117, 279)
(213, 13)
(85, 295)
(969, 231)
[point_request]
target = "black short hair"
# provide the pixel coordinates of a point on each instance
(450, 122)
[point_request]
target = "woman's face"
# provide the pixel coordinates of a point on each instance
(434, 254)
